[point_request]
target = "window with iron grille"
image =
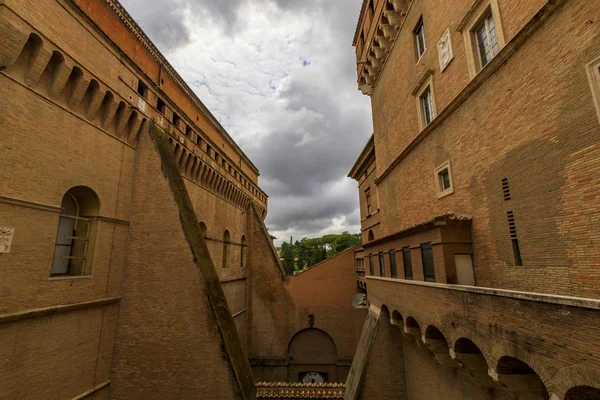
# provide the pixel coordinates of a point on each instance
(72, 247)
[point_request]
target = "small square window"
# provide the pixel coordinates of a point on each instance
(419, 33)
(427, 111)
(443, 178)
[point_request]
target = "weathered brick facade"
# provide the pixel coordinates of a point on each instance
(502, 132)
(176, 290)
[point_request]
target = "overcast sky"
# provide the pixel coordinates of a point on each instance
(280, 76)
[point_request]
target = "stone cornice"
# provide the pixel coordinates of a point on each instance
(155, 53)
(362, 158)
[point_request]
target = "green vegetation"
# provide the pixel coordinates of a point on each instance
(308, 252)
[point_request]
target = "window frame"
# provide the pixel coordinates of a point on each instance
(86, 212)
(441, 192)
(419, 33)
(484, 25)
(393, 266)
(407, 266)
(593, 72)
(381, 264)
(427, 270)
(474, 17)
(427, 85)
(371, 266)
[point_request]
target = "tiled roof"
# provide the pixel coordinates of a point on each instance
(420, 226)
(297, 390)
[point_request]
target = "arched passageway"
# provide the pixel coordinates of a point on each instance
(520, 379)
(312, 357)
(583, 393)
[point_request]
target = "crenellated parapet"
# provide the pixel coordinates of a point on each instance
(376, 32)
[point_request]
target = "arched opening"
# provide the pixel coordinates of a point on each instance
(49, 75)
(583, 393)
(69, 89)
(371, 236)
(412, 328)
(521, 379)
(436, 342)
(226, 245)
(203, 229)
(243, 252)
(469, 356)
(312, 356)
(75, 235)
(28, 55)
(397, 319)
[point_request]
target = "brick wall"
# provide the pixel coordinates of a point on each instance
(532, 121)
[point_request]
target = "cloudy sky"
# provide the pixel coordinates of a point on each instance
(280, 76)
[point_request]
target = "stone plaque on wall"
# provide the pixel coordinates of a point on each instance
(6, 236)
(445, 50)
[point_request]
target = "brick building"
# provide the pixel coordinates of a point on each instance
(480, 200)
(134, 260)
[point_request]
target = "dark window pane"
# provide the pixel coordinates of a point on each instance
(407, 260)
(428, 267)
(371, 267)
(393, 270)
(381, 265)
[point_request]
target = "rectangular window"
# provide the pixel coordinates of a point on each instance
(426, 99)
(419, 33)
(368, 201)
(428, 267)
(593, 70)
(161, 106)
(487, 39)
(381, 265)
(393, 270)
(443, 177)
(407, 260)
(371, 267)
(142, 89)
(176, 119)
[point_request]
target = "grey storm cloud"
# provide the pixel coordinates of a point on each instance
(280, 76)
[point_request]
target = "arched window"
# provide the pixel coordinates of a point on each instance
(371, 236)
(226, 245)
(73, 246)
(243, 252)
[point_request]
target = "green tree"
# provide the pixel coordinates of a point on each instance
(287, 253)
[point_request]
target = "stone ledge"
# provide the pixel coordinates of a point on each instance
(538, 297)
